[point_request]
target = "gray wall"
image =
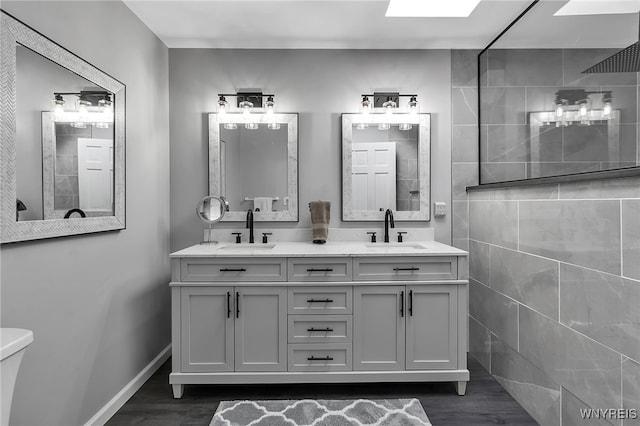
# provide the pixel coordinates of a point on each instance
(98, 304)
(317, 84)
(555, 281)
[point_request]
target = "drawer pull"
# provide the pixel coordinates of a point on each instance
(402, 304)
(326, 358)
(412, 268)
(228, 304)
(319, 300)
(237, 304)
(410, 303)
(320, 329)
(233, 270)
(320, 270)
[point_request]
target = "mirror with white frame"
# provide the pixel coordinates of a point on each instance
(253, 164)
(385, 165)
(58, 112)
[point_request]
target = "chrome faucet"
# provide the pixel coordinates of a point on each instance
(388, 221)
(250, 225)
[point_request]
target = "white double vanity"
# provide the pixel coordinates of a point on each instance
(297, 312)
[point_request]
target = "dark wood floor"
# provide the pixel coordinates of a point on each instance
(486, 402)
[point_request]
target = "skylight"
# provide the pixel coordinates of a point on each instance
(431, 8)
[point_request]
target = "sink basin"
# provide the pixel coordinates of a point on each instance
(247, 247)
(395, 246)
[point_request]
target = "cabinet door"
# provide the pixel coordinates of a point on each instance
(261, 329)
(378, 328)
(432, 327)
(206, 322)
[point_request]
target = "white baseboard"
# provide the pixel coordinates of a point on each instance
(111, 407)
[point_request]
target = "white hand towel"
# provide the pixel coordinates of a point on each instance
(262, 203)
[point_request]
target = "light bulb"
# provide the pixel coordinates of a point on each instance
(583, 110)
(362, 126)
(58, 106)
(413, 105)
(405, 126)
(223, 105)
(559, 111)
(246, 107)
(384, 126)
(273, 126)
(389, 106)
(251, 126)
(230, 126)
(606, 111)
(269, 106)
(365, 106)
(102, 125)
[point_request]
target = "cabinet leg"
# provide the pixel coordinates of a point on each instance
(177, 391)
(461, 388)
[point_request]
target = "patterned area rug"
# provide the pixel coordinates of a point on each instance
(328, 412)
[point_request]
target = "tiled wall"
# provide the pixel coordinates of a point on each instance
(517, 82)
(555, 282)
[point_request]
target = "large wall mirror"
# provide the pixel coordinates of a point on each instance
(63, 136)
(385, 165)
(253, 163)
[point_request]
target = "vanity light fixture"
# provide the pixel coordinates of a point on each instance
(92, 108)
(577, 106)
(387, 103)
(248, 102)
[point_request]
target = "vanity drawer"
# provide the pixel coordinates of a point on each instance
(405, 268)
(233, 269)
(319, 328)
(326, 269)
(320, 300)
(320, 357)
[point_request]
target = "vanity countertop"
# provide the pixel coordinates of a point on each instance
(330, 249)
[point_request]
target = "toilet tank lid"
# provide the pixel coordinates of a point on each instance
(13, 340)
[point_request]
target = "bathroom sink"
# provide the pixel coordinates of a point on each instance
(387, 247)
(247, 247)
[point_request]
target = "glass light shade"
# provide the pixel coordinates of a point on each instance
(273, 126)
(102, 125)
(365, 106)
(223, 105)
(58, 106)
(413, 105)
(246, 107)
(79, 125)
(269, 106)
(606, 111)
(389, 107)
(384, 126)
(362, 126)
(230, 126)
(251, 126)
(559, 111)
(405, 126)
(583, 111)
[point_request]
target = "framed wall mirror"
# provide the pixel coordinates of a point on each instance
(63, 140)
(253, 164)
(386, 165)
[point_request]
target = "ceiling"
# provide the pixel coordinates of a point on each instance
(361, 24)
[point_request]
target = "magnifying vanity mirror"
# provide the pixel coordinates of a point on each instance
(253, 164)
(211, 209)
(63, 136)
(385, 165)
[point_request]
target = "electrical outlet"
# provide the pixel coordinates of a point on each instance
(440, 208)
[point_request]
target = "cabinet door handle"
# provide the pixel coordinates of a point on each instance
(320, 329)
(320, 270)
(319, 300)
(326, 358)
(402, 304)
(237, 304)
(233, 270)
(410, 303)
(412, 268)
(228, 304)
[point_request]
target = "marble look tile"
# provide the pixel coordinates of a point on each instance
(625, 99)
(503, 105)
(541, 99)
(461, 243)
(546, 143)
(464, 143)
(460, 220)
(525, 67)
(480, 194)
(66, 164)
(63, 202)
(529, 279)
(571, 416)
(601, 306)
(463, 175)
(496, 311)
(586, 368)
(558, 168)
(585, 233)
(508, 143)
(502, 172)
(530, 386)
(464, 106)
(631, 389)
(577, 60)
(631, 238)
(609, 188)
(537, 192)
(591, 143)
(494, 222)
(480, 343)
(479, 261)
(464, 68)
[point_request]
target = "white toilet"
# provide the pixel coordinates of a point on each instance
(13, 342)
